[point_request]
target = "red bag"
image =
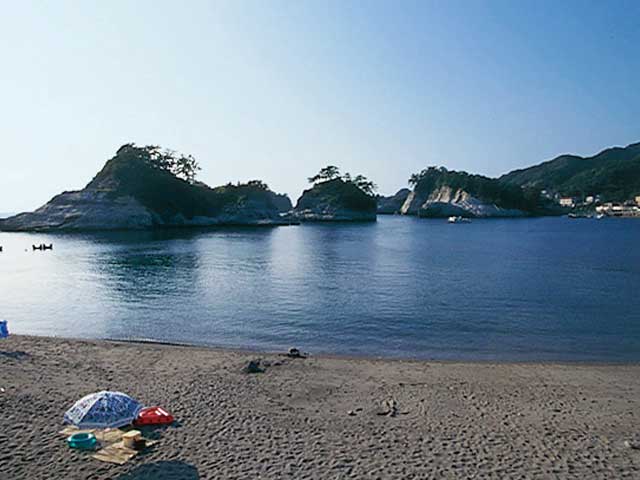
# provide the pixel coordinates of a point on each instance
(154, 416)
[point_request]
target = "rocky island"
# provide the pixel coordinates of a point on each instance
(336, 198)
(147, 187)
(609, 181)
(393, 204)
(438, 192)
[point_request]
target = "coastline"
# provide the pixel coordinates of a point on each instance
(352, 357)
(322, 417)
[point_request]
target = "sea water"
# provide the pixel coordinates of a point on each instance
(499, 289)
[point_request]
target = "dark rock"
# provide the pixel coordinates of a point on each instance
(281, 201)
(253, 367)
(295, 353)
(393, 204)
(335, 201)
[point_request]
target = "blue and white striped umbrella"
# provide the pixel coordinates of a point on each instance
(103, 410)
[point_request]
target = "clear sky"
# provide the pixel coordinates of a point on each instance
(277, 89)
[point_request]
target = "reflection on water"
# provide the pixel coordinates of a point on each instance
(507, 289)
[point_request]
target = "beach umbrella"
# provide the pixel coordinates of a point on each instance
(103, 410)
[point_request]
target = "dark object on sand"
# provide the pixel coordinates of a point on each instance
(635, 445)
(295, 353)
(389, 408)
(253, 367)
(42, 246)
(139, 444)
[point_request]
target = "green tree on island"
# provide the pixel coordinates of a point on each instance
(332, 172)
(180, 165)
(364, 184)
(487, 189)
(257, 184)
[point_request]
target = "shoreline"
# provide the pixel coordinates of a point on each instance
(321, 417)
(276, 224)
(335, 356)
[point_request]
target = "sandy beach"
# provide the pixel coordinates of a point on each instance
(321, 417)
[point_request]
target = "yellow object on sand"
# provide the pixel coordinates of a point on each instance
(112, 440)
(130, 438)
(109, 435)
(118, 453)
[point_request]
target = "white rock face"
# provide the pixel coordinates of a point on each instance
(411, 205)
(445, 201)
(83, 210)
(90, 209)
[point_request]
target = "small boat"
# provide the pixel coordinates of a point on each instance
(42, 246)
(600, 216)
(458, 219)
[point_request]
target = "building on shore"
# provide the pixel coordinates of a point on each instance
(569, 202)
(612, 209)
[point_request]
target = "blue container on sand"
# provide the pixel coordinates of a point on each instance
(4, 330)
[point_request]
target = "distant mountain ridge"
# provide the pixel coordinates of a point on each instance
(613, 173)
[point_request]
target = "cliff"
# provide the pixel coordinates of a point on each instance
(335, 200)
(445, 201)
(439, 192)
(131, 193)
(393, 204)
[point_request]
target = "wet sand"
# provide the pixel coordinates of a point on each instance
(321, 417)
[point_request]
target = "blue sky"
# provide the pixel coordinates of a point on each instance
(277, 89)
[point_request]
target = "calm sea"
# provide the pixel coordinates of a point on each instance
(531, 289)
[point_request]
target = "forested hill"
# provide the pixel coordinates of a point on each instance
(613, 173)
(488, 190)
(149, 187)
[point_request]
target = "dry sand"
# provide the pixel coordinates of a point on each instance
(454, 420)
